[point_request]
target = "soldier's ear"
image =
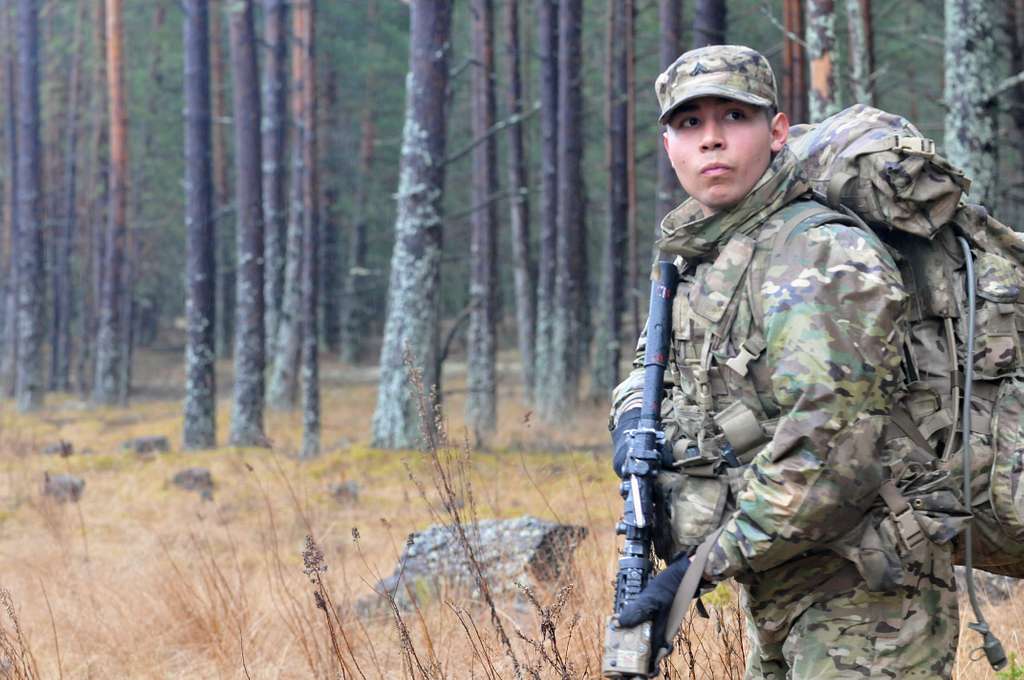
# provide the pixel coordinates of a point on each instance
(780, 131)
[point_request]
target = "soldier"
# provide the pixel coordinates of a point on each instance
(788, 326)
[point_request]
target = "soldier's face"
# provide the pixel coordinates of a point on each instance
(719, 148)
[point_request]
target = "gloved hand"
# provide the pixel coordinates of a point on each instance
(655, 602)
(627, 421)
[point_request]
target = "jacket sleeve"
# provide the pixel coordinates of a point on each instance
(834, 307)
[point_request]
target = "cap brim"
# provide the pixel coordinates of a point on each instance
(714, 91)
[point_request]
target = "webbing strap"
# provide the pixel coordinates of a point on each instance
(907, 525)
(686, 592)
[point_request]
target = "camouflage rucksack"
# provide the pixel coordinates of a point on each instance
(880, 168)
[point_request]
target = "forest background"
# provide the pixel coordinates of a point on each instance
(156, 151)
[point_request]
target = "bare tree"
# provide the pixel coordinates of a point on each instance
(200, 424)
(247, 409)
(29, 390)
(821, 47)
(274, 126)
(519, 206)
(109, 349)
(971, 137)
(709, 22)
(411, 328)
(545, 391)
(670, 14)
(481, 405)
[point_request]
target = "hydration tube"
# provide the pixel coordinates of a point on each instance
(990, 643)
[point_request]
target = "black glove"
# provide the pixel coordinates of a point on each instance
(627, 421)
(655, 602)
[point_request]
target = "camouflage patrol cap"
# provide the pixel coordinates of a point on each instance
(729, 71)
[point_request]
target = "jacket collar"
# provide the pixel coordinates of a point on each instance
(687, 232)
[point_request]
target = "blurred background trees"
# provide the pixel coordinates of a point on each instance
(492, 207)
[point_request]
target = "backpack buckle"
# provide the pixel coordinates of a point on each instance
(919, 146)
(909, 529)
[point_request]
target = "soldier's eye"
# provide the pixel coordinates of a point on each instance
(689, 122)
(735, 114)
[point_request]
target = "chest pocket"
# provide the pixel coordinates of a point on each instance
(713, 294)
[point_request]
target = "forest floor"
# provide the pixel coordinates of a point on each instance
(141, 579)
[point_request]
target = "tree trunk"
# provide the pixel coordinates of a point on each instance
(481, 402)
(546, 391)
(284, 376)
(63, 297)
(857, 23)
(709, 22)
(971, 135)
(9, 359)
(224, 232)
(247, 409)
(329, 232)
(519, 207)
(29, 390)
(606, 358)
(275, 126)
(821, 48)
(570, 327)
(106, 389)
(1015, 30)
(354, 308)
(200, 424)
(411, 328)
(794, 62)
(96, 203)
(304, 34)
(631, 303)
(670, 13)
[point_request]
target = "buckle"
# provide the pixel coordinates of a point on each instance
(920, 146)
(910, 530)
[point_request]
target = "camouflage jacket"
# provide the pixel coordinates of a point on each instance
(812, 359)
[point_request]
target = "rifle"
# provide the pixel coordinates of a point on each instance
(628, 650)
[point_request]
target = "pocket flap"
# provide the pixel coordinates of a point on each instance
(998, 278)
(716, 289)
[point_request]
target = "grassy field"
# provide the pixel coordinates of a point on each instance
(141, 579)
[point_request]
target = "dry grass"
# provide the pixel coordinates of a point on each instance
(143, 580)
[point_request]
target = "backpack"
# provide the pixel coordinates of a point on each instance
(878, 168)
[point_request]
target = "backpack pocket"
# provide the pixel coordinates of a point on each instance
(997, 345)
(1005, 488)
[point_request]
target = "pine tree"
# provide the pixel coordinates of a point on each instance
(200, 425)
(29, 213)
(411, 329)
(481, 406)
(247, 409)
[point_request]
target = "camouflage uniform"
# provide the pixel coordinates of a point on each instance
(800, 344)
